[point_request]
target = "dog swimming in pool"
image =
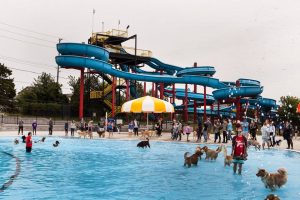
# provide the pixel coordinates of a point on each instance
(144, 144)
(56, 143)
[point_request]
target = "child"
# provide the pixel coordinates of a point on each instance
(28, 143)
(239, 151)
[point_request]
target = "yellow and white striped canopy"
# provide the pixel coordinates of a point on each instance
(147, 104)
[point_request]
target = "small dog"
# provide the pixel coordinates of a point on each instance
(254, 143)
(147, 134)
(211, 154)
(85, 133)
(24, 139)
(272, 197)
(16, 141)
(56, 143)
(101, 134)
(193, 159)
(42, 140)
(227, 158)
(194, 135)
(277, 142)
(273, 180)
(144, 144)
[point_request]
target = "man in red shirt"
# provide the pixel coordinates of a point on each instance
(28, 143)
(239, 151)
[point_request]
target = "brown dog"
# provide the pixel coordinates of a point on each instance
(273, 180)
(147, 134)
(227, 158)
(101, 134)
(194, 135)
(272, 197)
(211, 154)
(85, 133)
(193, 159)
(254, 143)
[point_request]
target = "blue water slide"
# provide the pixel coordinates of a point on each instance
(197, 71)
(243, 91)
(68, 58)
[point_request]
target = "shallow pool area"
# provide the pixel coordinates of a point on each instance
(116, 169)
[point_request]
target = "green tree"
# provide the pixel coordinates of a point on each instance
(288, 109)
(44, 97)
(7, 90)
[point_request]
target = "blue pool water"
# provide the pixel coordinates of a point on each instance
(113, 169)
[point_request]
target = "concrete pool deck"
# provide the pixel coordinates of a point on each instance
(165, 137)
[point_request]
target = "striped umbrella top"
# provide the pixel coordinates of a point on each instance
(147, 104)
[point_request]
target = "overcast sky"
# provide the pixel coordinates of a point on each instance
(256, 39)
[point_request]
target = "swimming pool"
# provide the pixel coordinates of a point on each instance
(114, 169)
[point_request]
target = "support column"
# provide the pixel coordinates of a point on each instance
(113, 96)
(153, 89)
(161, 87)
(238, 103)
(81, 94)
(218, 109)
(186, 104)
(173, 100)
(127, 91)
(195, 102)
(204, 114)
(145, 88)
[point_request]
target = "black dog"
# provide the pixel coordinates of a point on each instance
(277, 142)
(144, 144)
(24, 139)
(56, 143)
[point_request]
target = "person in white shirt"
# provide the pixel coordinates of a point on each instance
(265, 134)
(73, 127)
(272, 134)
(136, 127)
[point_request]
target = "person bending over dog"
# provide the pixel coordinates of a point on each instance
(144, 144)
(239, 151)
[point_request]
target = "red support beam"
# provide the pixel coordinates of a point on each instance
(238, 103)
(127, 91)
(81, 94)
(173, 100)
(204, 114)
(113, 96)
(219, 109)
(195, 102)
(153, 89)
(186, 104)
(161, 87)
(145, 89)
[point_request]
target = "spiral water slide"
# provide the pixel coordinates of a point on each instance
(77, 55)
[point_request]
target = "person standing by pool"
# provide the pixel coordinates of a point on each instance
(28, 143)
(287, 134)
(136, 127)
(224, 129)
(187, 130)
(205, 131)
(73, 127)
(253, 129)
(265, 135)
(229, 129)
(217, 128)
(34, 126)
(66, 128)
(180, 131)
(199, 130)
(130, 128)
(21, 125)
(50, 126)
(239, 151)
(272, 134)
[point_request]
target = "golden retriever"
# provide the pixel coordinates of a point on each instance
(84, 134)
(211, 154)
(193, 159)
(227, 158)
(194, 135)
(273, 180)
(147, 134)
(254, 143)
(272, 197)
